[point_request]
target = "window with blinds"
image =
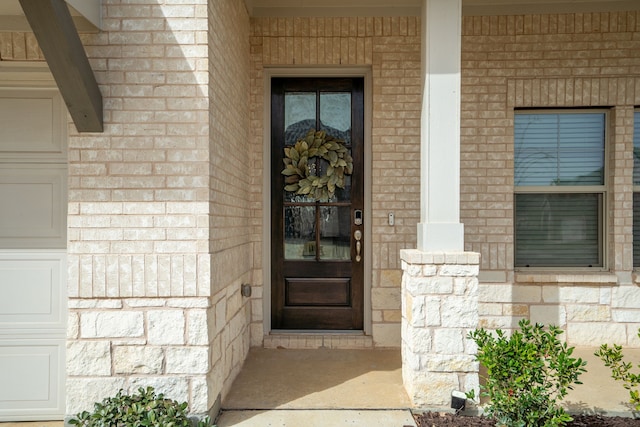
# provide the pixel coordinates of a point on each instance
(636, 188)
(559, 180)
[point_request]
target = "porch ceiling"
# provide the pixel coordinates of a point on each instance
(413, 7)
(86, 13)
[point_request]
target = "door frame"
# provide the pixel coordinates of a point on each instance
(269, 72)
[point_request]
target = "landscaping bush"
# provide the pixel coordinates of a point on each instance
(142, 409)
(621, 370)
(528, 374)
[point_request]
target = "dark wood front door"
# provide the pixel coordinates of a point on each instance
(317, 233)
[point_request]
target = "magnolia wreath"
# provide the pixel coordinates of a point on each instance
(298, 176)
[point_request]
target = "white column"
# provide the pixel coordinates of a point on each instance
(440, 228)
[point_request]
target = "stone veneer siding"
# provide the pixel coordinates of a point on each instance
(391, 47)
(549, 61)
(439, 309)
(159, 206)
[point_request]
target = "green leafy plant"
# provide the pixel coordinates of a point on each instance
(528, 374)
(146, 408)
(621, 370)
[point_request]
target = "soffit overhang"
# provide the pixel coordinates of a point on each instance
(86, 15)
(288, 8)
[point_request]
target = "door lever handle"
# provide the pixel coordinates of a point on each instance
(358, 236)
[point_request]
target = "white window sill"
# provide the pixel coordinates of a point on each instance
(600, 278)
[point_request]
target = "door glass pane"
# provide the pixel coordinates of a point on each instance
(335, 115)
(340, 194)
(300, 232)
(299, 115)
(558, 230)
(335, 233)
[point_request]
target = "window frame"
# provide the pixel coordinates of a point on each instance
(602, 190)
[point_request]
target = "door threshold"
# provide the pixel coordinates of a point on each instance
(318, 339)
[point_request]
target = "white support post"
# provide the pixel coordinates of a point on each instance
(440, 228)
(440, 280)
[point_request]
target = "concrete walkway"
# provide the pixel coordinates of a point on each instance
(316, 418)
(34, 424)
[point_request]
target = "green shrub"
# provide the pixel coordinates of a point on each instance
(621, 370)
(528, 374)
(143, 409)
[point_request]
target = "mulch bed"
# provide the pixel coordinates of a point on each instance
(436, 419)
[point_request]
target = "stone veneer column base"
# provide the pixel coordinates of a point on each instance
(439, 308)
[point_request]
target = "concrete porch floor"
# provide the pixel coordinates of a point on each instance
(319, 379)
(319, 387)
(362, 387)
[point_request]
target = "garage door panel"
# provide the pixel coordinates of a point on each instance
(32, 335)
(32, 122)
(34, 369)
(35, 218)
(32, 291)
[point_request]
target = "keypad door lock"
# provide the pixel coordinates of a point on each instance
(357, 217)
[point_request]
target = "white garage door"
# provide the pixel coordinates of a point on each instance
(33, 175)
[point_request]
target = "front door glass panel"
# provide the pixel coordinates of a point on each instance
(335, 114)
(300, 232)
(300, 115)
(335, 233)
(329, 231)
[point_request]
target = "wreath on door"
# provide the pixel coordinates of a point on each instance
(299, 178)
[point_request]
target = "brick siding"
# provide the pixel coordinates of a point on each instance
(19, 47)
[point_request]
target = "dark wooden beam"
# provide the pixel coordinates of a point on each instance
(58, 38)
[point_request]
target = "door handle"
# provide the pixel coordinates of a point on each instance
(358, 236)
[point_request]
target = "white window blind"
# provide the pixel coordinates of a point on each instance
(559, 189)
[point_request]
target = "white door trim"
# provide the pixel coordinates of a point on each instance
(26, 74)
